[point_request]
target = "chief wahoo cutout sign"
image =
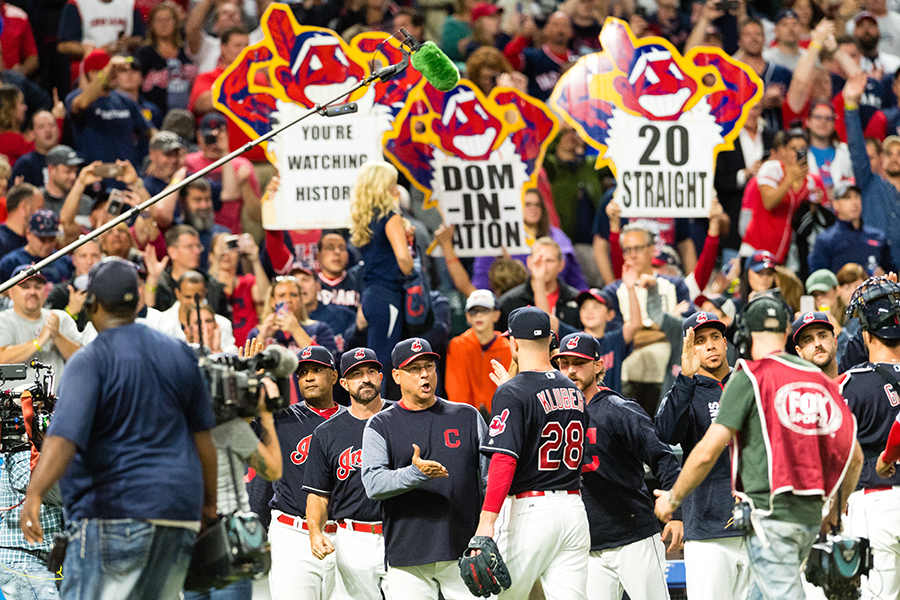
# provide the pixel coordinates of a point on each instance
(291, 70)
(475, 156)
(658, 119)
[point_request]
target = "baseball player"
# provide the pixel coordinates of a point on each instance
(627, 552)
(335, 486)
(871, 390)
(421, 460)
(536, 445)
(814, 340)
(715, 559)
(296, 574)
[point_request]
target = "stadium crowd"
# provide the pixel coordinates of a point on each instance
(103, 104)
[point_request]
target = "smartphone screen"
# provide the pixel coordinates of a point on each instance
(807, 304)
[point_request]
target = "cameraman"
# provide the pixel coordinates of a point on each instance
(130, 439)
(236, 442)
(24, 574)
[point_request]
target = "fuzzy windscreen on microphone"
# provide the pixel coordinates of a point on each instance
(435, 67)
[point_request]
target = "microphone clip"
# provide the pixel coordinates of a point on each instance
(409, 45)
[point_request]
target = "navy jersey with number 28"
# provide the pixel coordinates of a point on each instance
(538, 418)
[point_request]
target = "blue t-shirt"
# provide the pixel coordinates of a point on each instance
(10, 240)
(55, 272)
(613, 350)
(109, 129)
(131, 401)
(378, 255)
(32, 167)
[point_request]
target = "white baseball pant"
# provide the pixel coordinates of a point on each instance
(545, 536)
(638, 568)
(423, 582)
(876, 516)
(717, 569)
(359, 557)
(296, 574)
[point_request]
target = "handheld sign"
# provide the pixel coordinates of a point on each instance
(658, 119)
(475, 156)
(291, 70)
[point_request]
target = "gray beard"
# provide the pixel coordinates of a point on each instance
(201, 221)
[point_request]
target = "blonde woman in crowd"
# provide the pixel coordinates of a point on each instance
(378, 232)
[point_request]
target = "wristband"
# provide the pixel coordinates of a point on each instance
(152, 290)
(672, 501)
(850, 105)
(102, 78)
(452, 260)
(815, 44)
(36, 345)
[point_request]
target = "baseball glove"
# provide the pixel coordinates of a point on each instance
(485, 573)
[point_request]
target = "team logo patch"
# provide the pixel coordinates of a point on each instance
(307, 352)
(808, 409)
(359, 354)
(498, 423)
(702, 318)
(809, 317)
(416, 346)
(573, 343)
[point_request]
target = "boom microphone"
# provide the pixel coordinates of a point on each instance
(435, 66)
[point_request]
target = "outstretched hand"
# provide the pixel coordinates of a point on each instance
(431, 468)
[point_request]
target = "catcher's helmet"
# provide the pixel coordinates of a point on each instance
(876, 303)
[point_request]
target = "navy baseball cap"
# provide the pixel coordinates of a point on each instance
(579, 345)
(529, 323)
(212, 121)
(702, 319)
(409, 350)
(113, 280)
(759, 260)
(358, 356)
(44, 223)
(316, 354)
(21, 268)
(784, 13)
(807, 319)
(602, 296)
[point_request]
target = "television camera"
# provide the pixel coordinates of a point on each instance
(234, 382)
(26, 408)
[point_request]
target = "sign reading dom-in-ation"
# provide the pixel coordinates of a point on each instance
(657, 118)
(474, 155)
(291, 70)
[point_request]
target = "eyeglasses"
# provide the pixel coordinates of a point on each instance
(191, 246)
(334, 248)
(428, 368)
(821, 118)
(634, 249)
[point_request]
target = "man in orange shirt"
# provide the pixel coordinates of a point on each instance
(469, 355)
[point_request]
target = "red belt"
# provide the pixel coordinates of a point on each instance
(357, 526)
(536, 494)
(300, 523)
(880, 488)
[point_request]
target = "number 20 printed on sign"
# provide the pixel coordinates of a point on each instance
(658, 119)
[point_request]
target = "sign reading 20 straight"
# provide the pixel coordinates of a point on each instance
(657, 118)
